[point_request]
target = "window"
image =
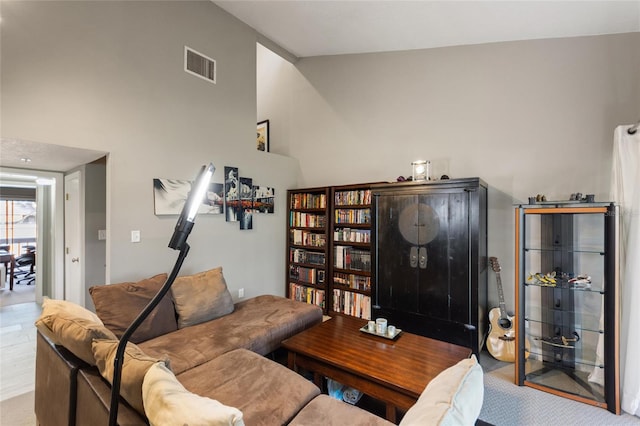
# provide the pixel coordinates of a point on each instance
(17, 224)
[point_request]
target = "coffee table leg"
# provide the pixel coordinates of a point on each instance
(291, 361)
(318, 380)
(391, 413)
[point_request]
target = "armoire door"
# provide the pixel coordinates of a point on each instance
(423, 254)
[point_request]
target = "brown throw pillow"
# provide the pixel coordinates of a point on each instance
(201, 297)
(118, 305)
(134, 366)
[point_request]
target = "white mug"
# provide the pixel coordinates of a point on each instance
(391, 330)
(372, 326)
(381, 326)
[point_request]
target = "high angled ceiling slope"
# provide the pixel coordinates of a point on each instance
(325, 27)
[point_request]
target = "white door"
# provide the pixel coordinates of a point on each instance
(73, 263)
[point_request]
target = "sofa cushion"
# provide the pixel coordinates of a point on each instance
(201, 297)
(266, 392)
(134, 367)
(119, 304)
(72, 326)
(167, 402)
(453, 397)
(259, 324)
(327, 411)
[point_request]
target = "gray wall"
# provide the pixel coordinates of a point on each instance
(529, 117)
(109, 76)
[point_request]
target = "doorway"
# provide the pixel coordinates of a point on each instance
(32, 227)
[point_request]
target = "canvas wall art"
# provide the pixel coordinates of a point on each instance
(169, 196)
(263, 199)
(246, 202)
(231, 194)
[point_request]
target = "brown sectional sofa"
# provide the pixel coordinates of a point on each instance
(223, 359)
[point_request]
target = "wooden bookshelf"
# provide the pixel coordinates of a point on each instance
(308, 243)
(350, 250)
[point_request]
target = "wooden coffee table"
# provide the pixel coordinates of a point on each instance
(392, 371)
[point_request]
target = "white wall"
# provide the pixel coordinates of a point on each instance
(529, 117)
(109, 76)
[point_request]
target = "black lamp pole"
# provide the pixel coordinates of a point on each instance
(178, 242)
(117, 364)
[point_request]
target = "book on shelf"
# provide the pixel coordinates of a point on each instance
(351, 258)
(350, 303)
(306, 294)
(306, 200)
(352, 197)
(349, 235)
(357, 282)
(307, 220)
(359, 216)
(300, 273)
(307, 238)
(297, 255)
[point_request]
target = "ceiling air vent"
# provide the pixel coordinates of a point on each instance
(199, 65)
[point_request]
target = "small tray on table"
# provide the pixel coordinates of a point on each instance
(365, 329)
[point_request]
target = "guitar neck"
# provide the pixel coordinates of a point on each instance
(503, 307)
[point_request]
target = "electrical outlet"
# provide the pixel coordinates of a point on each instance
(241, 293)
(135, 236)
(102, 234)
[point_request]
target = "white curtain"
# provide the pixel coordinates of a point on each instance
(626, 192)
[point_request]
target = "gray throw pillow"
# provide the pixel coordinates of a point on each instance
(201, 297)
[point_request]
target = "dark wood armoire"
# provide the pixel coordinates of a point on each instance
(430, 258)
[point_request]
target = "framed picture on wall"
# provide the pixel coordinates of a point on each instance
(263, 136)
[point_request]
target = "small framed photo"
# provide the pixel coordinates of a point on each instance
(263, 136)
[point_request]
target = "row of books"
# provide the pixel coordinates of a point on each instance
(351, 258)
(308, 201)
(352, 235)
(304, 256)
(307, 275)
(354, 304)
(352, 216)
(358, 282)
(353, 198)
(307, 219)
(305, 238)
(306, 294)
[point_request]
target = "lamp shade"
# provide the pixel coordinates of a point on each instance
(190, 209)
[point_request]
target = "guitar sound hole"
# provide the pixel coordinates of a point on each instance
(504, 323)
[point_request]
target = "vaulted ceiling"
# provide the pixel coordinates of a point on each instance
(330, 27)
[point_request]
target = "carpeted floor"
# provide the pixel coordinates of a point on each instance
(507, 404)
(21, 294)
(18, 411)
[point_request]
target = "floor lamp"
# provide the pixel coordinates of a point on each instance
(178, 242)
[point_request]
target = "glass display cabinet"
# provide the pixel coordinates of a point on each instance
(567, 317)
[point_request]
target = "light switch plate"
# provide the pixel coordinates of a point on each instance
(135, 236)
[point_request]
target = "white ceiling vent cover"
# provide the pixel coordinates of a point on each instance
(199, 65)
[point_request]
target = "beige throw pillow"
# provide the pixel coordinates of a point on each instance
(134, 366)
(72, 326)
(167, 402)
(453, 398)
(201, 297)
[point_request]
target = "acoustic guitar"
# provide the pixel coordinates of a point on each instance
(501, 341)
